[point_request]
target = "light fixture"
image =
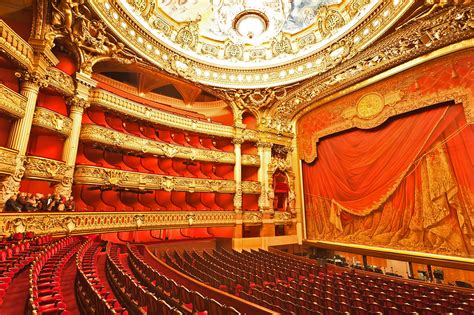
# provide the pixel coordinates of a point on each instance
(250, 23)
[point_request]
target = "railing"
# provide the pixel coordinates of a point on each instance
(7, 161)
(46, 169)
(15, 46)
(12, 102)
(48, 119)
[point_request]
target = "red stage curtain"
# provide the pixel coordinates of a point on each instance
(383, 186)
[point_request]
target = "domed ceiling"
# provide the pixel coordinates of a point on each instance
(249, 43)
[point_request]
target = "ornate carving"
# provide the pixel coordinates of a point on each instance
(139, 111)
(90, 175)
(72, 20)
(11, 184)
(252, 218)
(60, 81)
(12, 102)
(282, 217)
(42, 168)
(15, 47)
(111, 138)
(188, 35)
(7, 161)
(414, 39)
(35, 78)
(96, 222)
(51, 120)
(77, 103)
(251, 187)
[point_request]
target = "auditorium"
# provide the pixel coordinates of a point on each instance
(232, 157)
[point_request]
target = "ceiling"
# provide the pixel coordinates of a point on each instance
(248, 43)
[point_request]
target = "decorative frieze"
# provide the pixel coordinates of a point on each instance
(251, 187)
(7, 161)
(282, 218)
(15, 47)
(60, 81)
(48, 119)
(112, 138)
(45, 169)
(91, 175)
(11, 102)
(139, 111)
(252, 217)
(100, 222)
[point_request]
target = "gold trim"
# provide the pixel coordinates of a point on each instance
(45, 169)
(60, 81)
(78, 223)
(51, 120)
(122, 105)
(12, 102)
(7, 161)
(116, 139)
(15, 47)
(92, 175)
(381, 250)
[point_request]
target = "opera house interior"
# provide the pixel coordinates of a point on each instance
(229, 157)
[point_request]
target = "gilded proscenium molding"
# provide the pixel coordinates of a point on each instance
(48, 119)
(100, 222)
(373, 115)
(116, 139)
(15, 47)
(45, 169)
(125, 23)
(121, 105)
(91, 175)
(11, 102)
(415, 39)
(60, 81)
(7, 161)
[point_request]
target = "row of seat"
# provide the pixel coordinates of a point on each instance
(160, 284)
(131, 290)
(45, 276)
(15, 256)
(93, 296)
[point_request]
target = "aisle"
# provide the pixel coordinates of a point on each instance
(67, 283)
(14, 301)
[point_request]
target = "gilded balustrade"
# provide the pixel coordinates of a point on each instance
(48, 119)
(15, 47)
(45, 169)
(61, 223)
(124, 106)
(112, 138)
(92, 175)
(12, 102)
(60, 81)
(7, 161)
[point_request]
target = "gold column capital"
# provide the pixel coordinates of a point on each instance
(238, 141)
(33, 79)
(77, 103)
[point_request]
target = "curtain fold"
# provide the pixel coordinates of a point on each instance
(408, 184)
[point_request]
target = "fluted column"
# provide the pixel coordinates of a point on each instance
(238, 174)
(20, 132)
(77, 104)
(265, 153)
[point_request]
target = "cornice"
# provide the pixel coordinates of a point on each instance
(45, 169)
(60, 81)
(15, 47)
(48, 119)
(7, 161)
(11, 102)
(99, 222)
(116, 139)
(121, 105)
(91, 175)
(415, 39)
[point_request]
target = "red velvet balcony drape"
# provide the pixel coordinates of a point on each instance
(407, 183)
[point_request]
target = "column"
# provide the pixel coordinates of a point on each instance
(20, 132)
(265, 153)
(238, 174)
(77, 104)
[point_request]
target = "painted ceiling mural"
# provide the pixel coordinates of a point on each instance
(248, 43)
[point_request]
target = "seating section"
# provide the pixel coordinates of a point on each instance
(92, 294)
(289, 285)
(15, 256)
(161, 285)
(45, 275)
(131, 290)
